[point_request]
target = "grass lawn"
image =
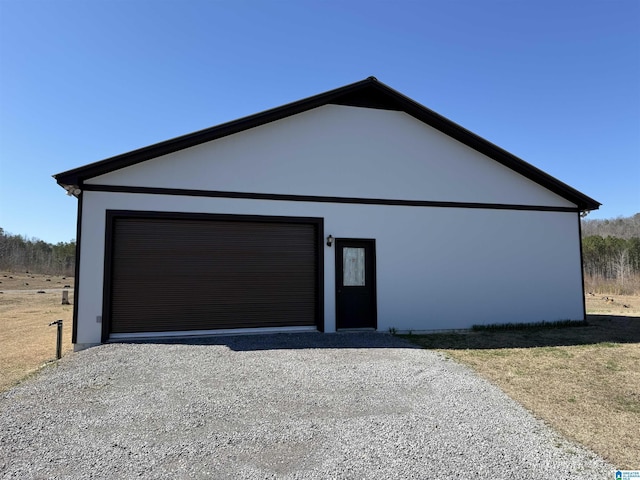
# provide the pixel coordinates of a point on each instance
(582, 381)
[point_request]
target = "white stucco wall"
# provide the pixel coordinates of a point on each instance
(437, 268)
(340, 151)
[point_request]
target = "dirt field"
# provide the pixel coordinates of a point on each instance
(31, 281)
(27, 342)
(623, 305)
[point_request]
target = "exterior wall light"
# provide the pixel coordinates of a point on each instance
(329, 240)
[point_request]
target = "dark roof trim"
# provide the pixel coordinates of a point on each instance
(322, 199)
(366, 93)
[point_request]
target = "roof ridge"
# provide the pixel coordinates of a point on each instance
(368, 93)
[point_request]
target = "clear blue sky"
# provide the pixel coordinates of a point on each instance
(556, 83)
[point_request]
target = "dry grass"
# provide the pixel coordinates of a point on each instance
(599, 285)
(583, 381)
(611, 304)
(27, 342)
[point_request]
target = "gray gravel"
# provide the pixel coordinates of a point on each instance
(280, 406)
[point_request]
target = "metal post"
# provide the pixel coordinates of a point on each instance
(59, 343)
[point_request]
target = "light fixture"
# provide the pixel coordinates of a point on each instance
(329, 240)
(72, 190)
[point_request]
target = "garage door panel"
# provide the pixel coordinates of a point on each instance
(174, 275)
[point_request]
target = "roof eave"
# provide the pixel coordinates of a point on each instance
(368, 92)
(77, 175)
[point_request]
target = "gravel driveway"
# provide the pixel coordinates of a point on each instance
(363, 406)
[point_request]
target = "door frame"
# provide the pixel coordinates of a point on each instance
(374, 283)
(111, 217)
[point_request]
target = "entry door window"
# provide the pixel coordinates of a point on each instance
(353, 273)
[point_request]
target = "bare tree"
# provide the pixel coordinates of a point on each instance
(621, 266)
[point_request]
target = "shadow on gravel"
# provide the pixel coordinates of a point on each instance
(600, 329)
(288, 341)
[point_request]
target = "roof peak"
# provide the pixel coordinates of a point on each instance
(367, 93)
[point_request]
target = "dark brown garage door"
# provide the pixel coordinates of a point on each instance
(179, 274)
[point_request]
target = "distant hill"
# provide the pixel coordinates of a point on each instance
(621, 227)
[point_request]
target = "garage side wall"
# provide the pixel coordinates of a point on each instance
(437, 268)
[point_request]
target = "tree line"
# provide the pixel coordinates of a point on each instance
(18, 253)
(611, 253)
(611, 257)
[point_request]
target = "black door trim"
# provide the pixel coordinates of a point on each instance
(113, 215)
(371, 243)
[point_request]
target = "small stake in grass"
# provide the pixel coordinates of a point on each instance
(59, 342)
(65, 297)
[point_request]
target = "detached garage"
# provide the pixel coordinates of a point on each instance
(354, 209)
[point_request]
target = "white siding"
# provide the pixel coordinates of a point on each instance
(343, 152)
(437, 268)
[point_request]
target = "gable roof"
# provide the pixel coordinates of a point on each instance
(368, 93)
